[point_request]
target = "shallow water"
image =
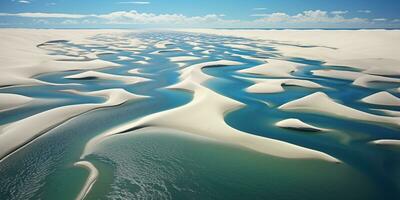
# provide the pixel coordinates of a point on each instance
(169, 164)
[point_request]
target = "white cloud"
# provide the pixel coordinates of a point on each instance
(259, 8)
(339, 12)
(134, 2)
(309, 16)
(134, 17)
(45, 15)
(364, 11)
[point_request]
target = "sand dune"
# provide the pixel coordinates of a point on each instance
(338, 74)
(297, 124)
(23, 59)
(91, 179)
(321, 103)
(10, 101)
(362, 49)
(183, 58)
(382, 98)
(106, 76)
(213, 108)
(276, 85)
(387, 142)
(368, 80)
(195, 74)
(14, 135)
(122, 58)
(163, 44)
(274, 68)
(389, 112)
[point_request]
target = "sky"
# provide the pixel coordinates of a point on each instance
(200, 14)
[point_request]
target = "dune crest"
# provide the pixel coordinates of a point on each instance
(297, 124)
(10, 101)
(322, 103)
(274, 68)
(276, 85)
(91, 179)
(106, 76)
(382, 98)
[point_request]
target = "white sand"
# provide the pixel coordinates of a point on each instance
(320, 102)
(183, 58)
(275, 85)
(142, 62)
(122, 58)
(338, 74)
(382, 98)
(14, 135)
(376, 51)
(297, 124)
(389, 112)
(91, 179)
(163, 44)
(22, 59)
(204, 116)
(368, 80)
(136, 71)
(195, 74)
(274, 68)
(106, 76)
(10, 101)
(387, 142)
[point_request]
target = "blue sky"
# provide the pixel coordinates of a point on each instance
(202, 13)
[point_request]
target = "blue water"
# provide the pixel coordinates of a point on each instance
(161, 165)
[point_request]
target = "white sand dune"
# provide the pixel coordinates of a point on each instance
(382, 98)
(168, 51)
(91, 179)
(122, 58)
(195, 74)
(163, 44)
(22, 75)
(274, 68)
(137, 71)
(142, 62)
(249, 57)
(183, 58)
(338, 74)
(106, 76)
(213, 107)
(387, 142)
(14, 135)
(375, 51)
(207, 51)
(245, 47)
(276, 85)
(297, 124)
(321, 103)
(389, 112)
(10, 101)
(197, 48)
(22, 58)
(368, 80)
(359, 78)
